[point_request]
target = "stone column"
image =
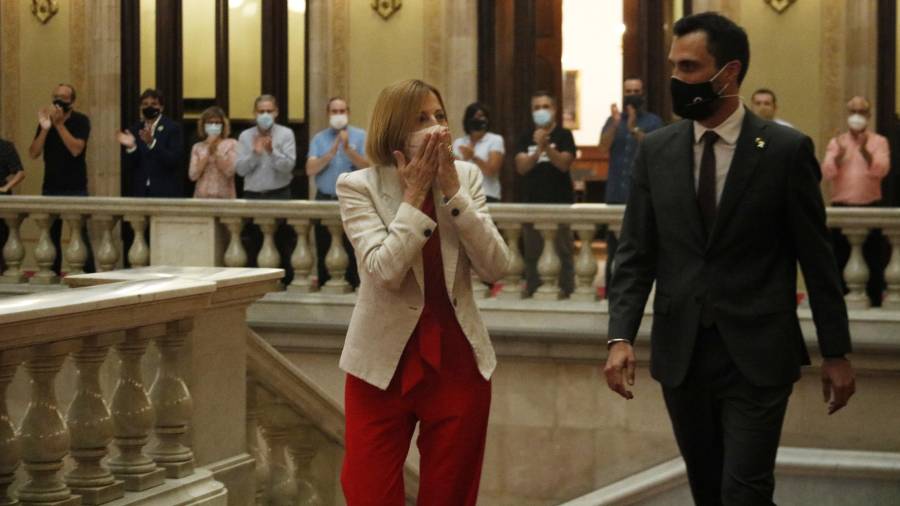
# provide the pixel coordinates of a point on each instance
(10, 448)
(548, 264)
(45, 252)
(107, 254)
(336, 261)
(585, 264)
(76, 252)
(262, 468)
(512, 281)
(91, 425)
(892, 271)
(133, 414)
(268, 253)
(173, 404)
(45, 439)
(235, 255)
(13, 251)
(278, 420)
(302, 259)
(856, 272)
(302, 448)
(139, 253)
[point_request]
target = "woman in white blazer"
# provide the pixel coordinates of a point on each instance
(416, 350)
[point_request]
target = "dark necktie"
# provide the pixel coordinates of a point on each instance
(706, 186)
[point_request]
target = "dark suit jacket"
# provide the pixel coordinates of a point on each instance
(743, 278)
(163, 165)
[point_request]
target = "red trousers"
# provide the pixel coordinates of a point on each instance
(451, 407)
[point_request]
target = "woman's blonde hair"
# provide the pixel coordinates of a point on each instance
(208, 114)
(394, 117)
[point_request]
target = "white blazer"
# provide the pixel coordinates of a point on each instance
(388, 235)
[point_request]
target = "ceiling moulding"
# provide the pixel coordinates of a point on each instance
(780, 6)
(43, 10)
(386, 8)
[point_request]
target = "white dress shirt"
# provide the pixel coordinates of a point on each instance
(728, 131)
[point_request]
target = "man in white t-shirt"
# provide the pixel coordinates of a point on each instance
(481, 147)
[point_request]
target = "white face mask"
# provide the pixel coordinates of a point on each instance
(416, 139)
(857, 122)
(338, 121)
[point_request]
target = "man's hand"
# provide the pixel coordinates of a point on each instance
(632, 116)
(57, 116)
(335, 146)
(863, 150)
(615, 113)
(146, 134)
(838, 383)
(261, 144)
(126, 139)
(467, 152)
(344, 137)
(619, 368)
(541, 138)
(44, 119)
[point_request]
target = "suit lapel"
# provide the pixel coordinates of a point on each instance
(680, 151)
(391, 198)
(747, 153)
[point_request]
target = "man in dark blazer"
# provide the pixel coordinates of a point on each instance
(723, 205)
(154, 146)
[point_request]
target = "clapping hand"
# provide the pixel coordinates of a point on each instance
(126, 139)
(344, 138)
(541, 137)
(57, 116)
(146, 134)
(632, 116)
(417, 174)
(467, 152)
(44, 119)
(615, 113)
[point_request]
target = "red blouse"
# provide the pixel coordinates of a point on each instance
(437, 340)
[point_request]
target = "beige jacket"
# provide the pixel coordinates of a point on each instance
(388, 235)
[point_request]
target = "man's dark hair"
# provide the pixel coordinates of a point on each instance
(725, 40)
(470, 112)
(152, 93)
(336, 97)
(765, 91)
(634, 78)
(71, 88)
(544, 93)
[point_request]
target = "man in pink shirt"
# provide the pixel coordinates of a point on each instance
(855, 163)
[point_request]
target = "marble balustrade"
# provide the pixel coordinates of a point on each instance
(206, 232)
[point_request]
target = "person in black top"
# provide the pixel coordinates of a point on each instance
(11, 174)
(544, 157)
(61, 138)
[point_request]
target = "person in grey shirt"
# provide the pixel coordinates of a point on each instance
(266, 157)
(267, 154)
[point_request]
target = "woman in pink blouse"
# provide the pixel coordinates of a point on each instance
(213, 158)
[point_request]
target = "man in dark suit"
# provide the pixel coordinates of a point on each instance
(154, 146)
(722, 207)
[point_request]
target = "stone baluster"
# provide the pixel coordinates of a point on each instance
(173, 404)
(302, 259)
(856, 273)
(253, 417)
(585, 264)
(235, 254)
(75, 253)
(45, 252)
(278, 420)
(892, 271)
(133, 414)
(548, 264)
(13, 251)
(336, 260)
(512, 282)
(139, 253)
(10, 448)
(302, 449)
(45, 439)
(91, 425)
(107, 253)
(268, 254)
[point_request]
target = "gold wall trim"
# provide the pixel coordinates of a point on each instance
(77, 44)
(339, 57)
(433, 41)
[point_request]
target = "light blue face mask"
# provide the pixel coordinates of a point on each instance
(542, 117)
(213, 129)
(265, 120)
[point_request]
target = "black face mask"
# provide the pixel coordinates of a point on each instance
(150, 112)
(695, 101)
(636, 101)
(476, 125)
(65, 106)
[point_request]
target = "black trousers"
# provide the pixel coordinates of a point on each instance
(285, 237)
(323, 244)
(727, 428)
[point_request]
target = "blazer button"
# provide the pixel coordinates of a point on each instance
(455, 212)
(427, 232)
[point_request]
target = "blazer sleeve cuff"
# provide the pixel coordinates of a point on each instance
(421, 225)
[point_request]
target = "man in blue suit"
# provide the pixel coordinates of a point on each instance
(154, 146)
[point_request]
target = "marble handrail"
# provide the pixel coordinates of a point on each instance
(534, 222)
